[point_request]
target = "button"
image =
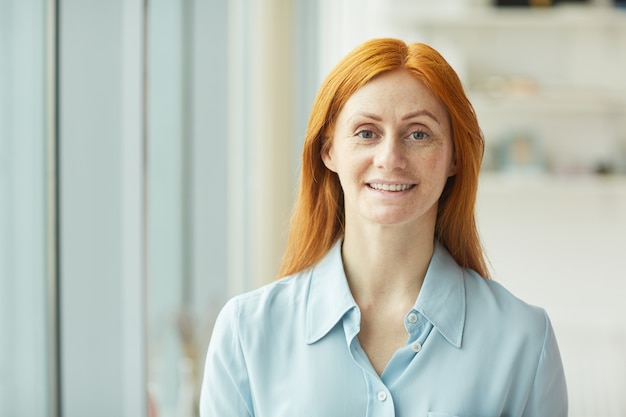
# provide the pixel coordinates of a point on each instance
(382, 396)
(416, 347)
(412, 318)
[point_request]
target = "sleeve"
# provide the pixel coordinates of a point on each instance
(225, 388)
(548, 396)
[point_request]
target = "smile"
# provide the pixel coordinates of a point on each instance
(391, 187)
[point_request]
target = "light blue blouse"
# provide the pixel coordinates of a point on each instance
(473, 350)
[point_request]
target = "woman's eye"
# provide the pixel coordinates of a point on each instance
(366, 134)
(418, 135)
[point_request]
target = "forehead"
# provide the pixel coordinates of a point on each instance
(393, 94)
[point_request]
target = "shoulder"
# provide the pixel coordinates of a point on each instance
(283, 293)
(265, 305)
(497, 307)
(512, 332)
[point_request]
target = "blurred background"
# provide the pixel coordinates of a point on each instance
(149, 154)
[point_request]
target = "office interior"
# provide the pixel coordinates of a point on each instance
(149, 156)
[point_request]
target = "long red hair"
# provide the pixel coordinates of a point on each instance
(318, 217)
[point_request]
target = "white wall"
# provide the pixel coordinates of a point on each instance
(559, 243)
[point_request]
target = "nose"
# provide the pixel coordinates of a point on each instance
(390, 154)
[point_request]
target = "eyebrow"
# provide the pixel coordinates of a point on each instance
(411, 115)
(423, 112)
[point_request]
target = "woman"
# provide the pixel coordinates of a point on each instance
(385, 308)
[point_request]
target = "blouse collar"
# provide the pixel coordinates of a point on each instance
(441, 299)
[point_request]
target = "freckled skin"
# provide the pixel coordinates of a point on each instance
(392, 132)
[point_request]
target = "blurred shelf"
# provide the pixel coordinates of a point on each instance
(459, 17)
(614, 186)
(552, 101)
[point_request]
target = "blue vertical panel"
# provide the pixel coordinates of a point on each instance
(307, 76)
(100, 141)
(90, 76)
(187, 181)
(209, 123)
(166, 134)
(23, 281)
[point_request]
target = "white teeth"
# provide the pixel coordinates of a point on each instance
(391, 187)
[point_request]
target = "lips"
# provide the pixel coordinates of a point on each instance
(391, 187)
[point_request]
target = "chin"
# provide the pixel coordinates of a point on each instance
(404, 219)
(391, 220)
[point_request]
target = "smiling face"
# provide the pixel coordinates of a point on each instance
(393, 152)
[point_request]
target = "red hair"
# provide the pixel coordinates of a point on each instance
(318, 217)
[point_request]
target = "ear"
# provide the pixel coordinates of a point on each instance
(327, 157)
(452, 167)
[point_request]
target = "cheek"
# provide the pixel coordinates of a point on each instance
(350, 164)
(434, 158)
(348, 174)
(438, 166)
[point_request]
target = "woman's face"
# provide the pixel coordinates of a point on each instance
(393, 152)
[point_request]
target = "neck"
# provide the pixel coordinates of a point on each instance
(387, 264)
